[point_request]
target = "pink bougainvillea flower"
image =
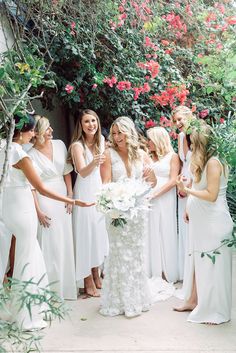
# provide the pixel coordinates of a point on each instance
(165, 42)
(164, 121)
(231, 20)
(94, 86)
(123, 85)
(173, 135)
(149, 124)
(121, 8)
(110, 81)
(222, 120)
(194, 108)
(204, 113)
(69, 88)
(72, 26)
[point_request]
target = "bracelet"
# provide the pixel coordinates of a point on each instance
(73, 202)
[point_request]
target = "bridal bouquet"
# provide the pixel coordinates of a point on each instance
(123, 200)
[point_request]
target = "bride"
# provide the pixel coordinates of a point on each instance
(125, 287)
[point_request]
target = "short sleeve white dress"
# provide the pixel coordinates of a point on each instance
(19, 215)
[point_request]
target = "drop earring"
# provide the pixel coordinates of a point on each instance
(21, 137)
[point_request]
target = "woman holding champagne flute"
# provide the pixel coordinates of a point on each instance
(91, 241)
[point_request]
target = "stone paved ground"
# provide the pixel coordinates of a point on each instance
(159, 330)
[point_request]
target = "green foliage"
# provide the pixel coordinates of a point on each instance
(20, 292)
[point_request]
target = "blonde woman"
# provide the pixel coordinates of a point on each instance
(91, 242)
(125, 288)
(19, 216)
(180, 118)
(163, 242)
(55, 221)
(209, 285)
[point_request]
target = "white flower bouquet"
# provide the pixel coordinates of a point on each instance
(123, 200)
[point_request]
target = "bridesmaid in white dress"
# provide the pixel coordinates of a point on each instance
(162, 240)
(180, 117)
(209, 288)
(19, 215)
(55, 228)
(91, 241)
(125, 287)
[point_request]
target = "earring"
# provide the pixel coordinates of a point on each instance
(21, 137)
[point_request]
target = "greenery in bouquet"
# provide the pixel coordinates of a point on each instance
(123, 200)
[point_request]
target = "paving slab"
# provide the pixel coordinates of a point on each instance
(159, 330)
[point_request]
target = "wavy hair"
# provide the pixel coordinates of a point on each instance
(42, 124)
(126, 126)
(79, 134)
(201, 153)
(161, 139)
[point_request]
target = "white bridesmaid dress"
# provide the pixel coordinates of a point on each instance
(209, 224)
(5, 244)
(19, 215)
(56, 241)
(183, 253)
(90, 235)
(162, 245)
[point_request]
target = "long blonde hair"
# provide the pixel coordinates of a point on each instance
(182, 111)
(126, 126)
(161, 139)
(79, 134)
(201, 152)
(41, 125)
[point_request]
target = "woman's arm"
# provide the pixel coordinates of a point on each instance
(105, 168)
(148, 173)
(213, 173)
(44, 220)
(174, 171)
(68, 182)
(28, 169)
(84, 170)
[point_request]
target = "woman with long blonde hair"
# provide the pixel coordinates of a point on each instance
(209, 285)
(163, 241)
(180, 117)
(91, 243)
(125, 286)
(55, 220)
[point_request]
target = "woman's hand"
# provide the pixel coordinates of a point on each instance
(68, 208)
(149, 175)
(44, 220)
(186, 217)
(83, 204)
(99, 159)
(180, 184)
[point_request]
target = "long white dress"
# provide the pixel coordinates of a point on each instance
(162, 240)
(209, 224)
(90, 235)
(56, 241)
(5, 244)
(5, 234)
(19, 215)
(183, 253)
(126, 288)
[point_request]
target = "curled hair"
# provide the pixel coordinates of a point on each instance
(79, 134)
(42, 124)
(161, 139)
(182, 111)
(201, 153)
(126, 126)
(24, 124)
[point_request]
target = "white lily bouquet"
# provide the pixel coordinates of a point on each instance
(123, 200)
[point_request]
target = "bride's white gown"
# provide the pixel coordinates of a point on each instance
(126, 289)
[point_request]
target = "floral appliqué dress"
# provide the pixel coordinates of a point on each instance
(125, 288)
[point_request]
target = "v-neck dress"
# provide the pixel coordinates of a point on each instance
(90, 235)
(57, 240)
